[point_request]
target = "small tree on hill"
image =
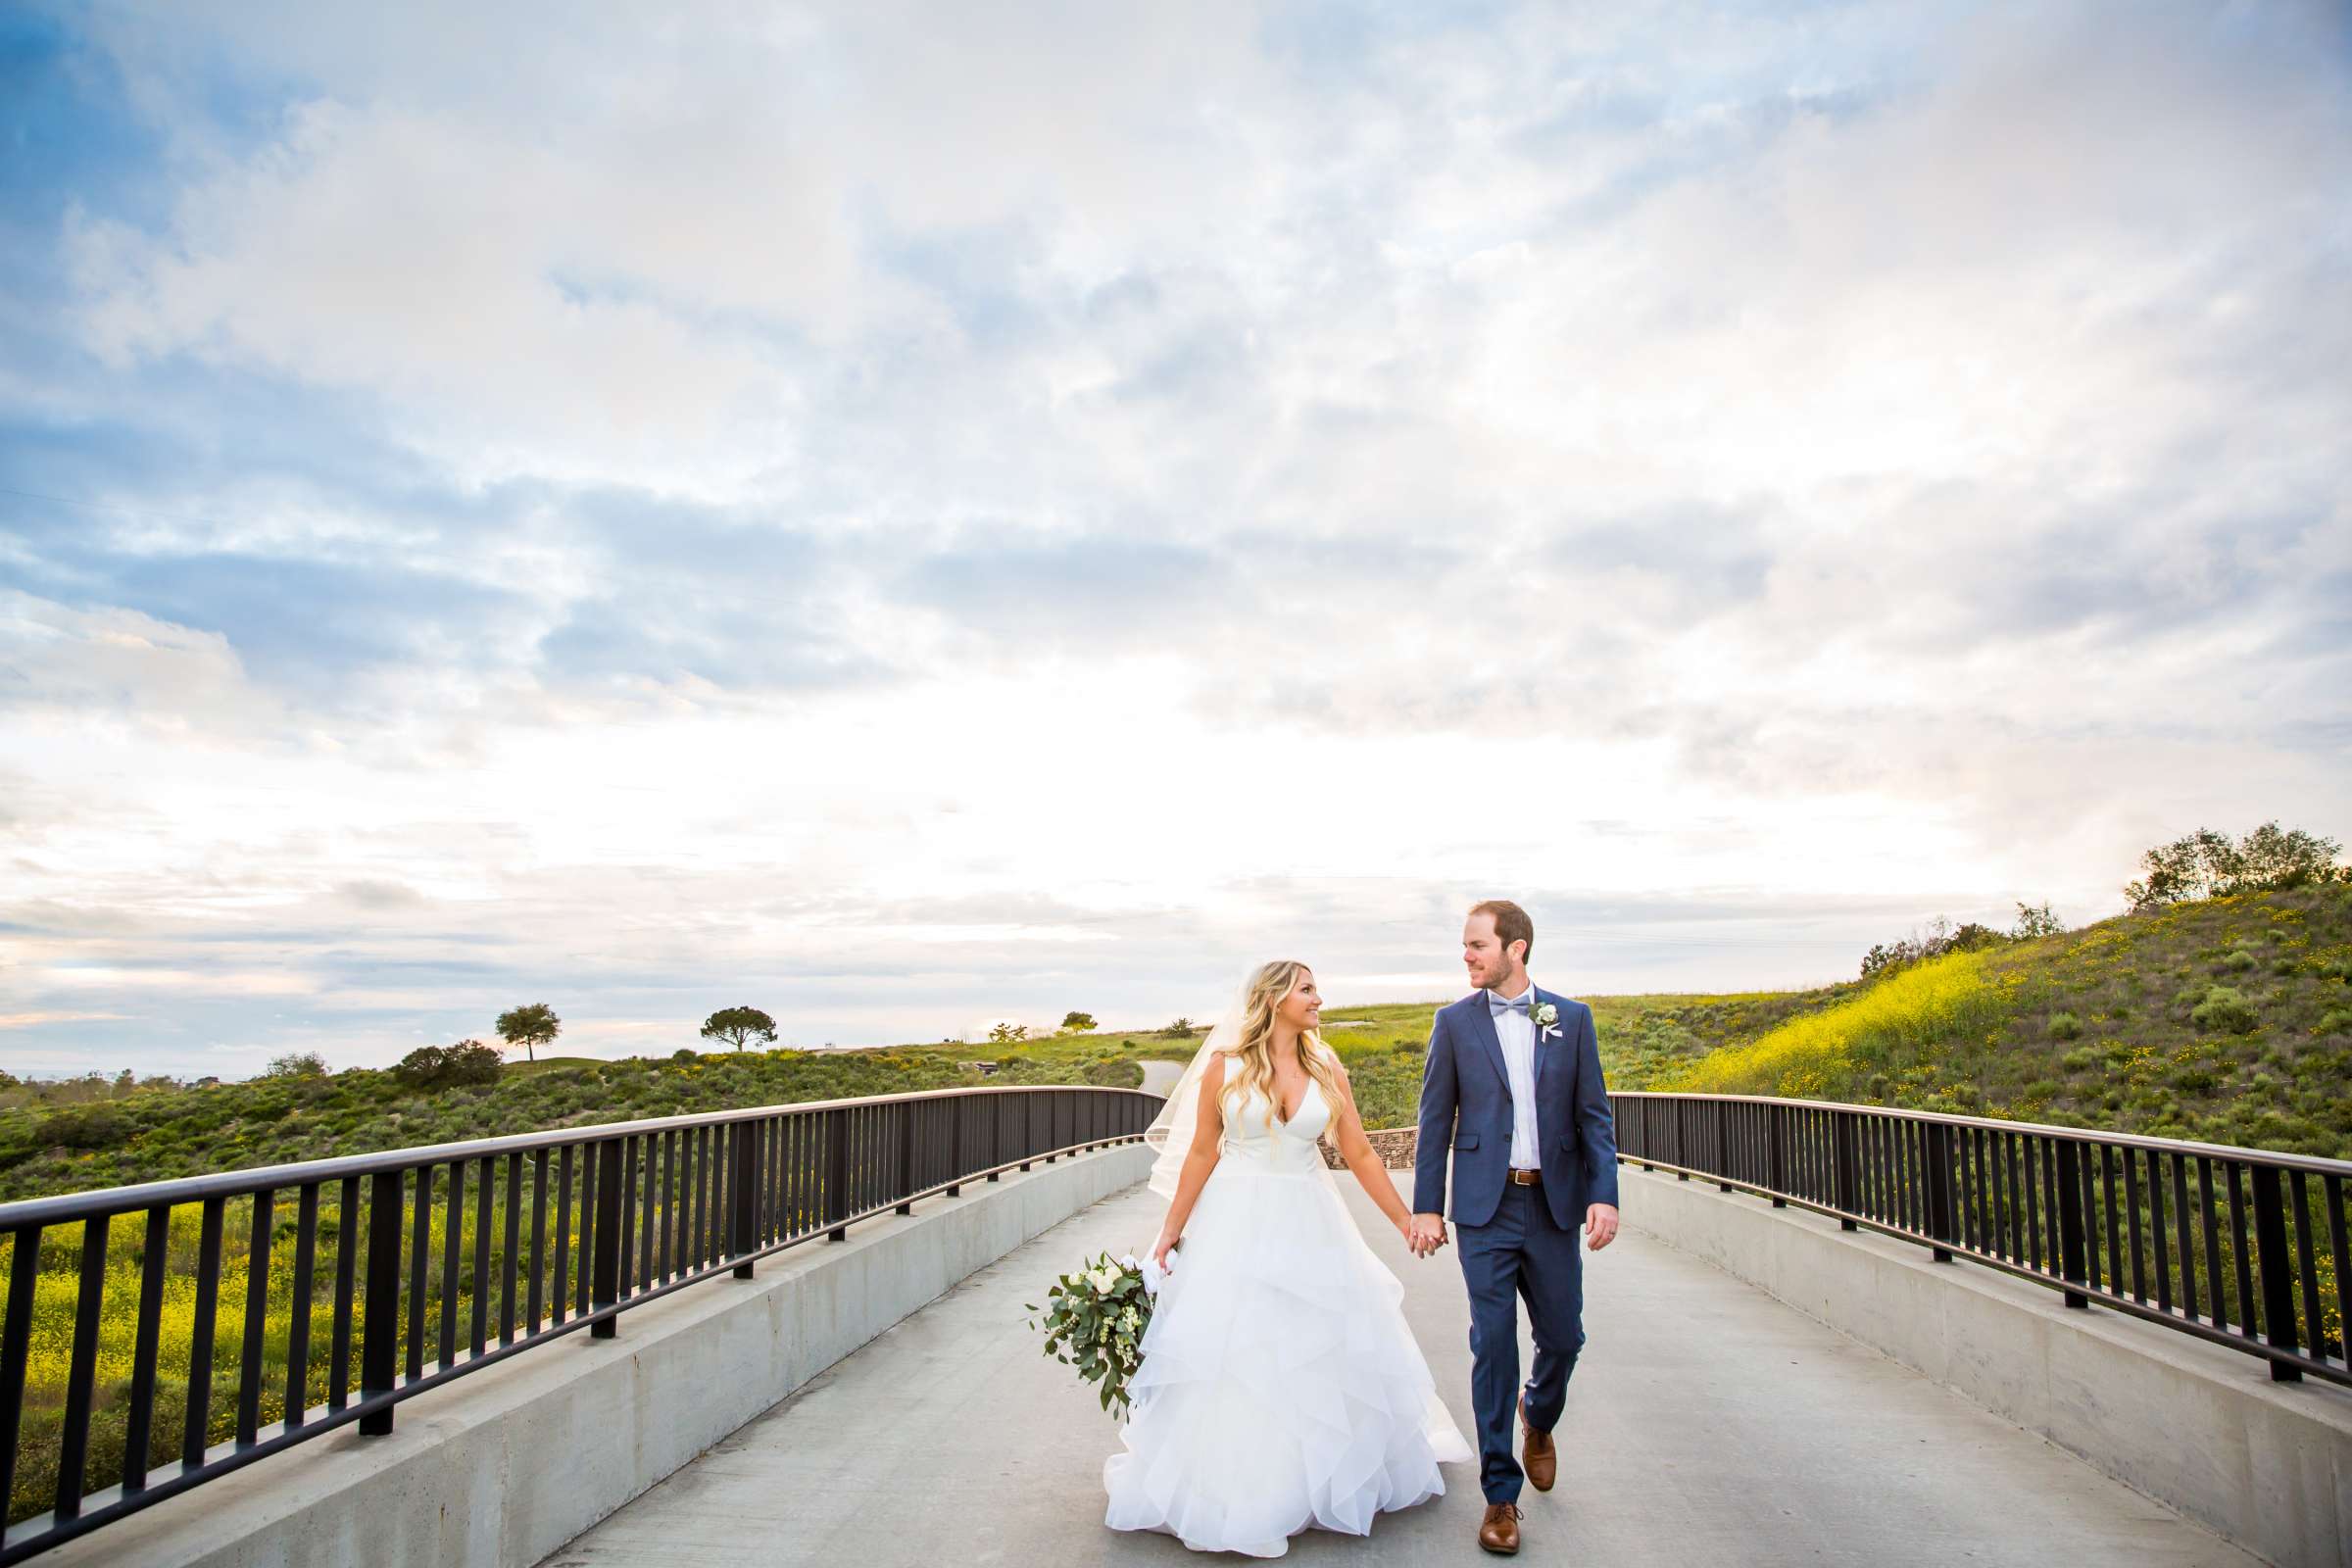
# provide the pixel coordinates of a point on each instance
(529, 1027)
(739, 1024)
(468, 1062)
(2036, 920)
(1005, 1033)
(1939, 938)
(2205, 864)
(1080, 1022)
(296, 1064)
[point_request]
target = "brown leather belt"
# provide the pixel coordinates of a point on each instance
(1527, 1178)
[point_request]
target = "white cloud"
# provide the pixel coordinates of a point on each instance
(1054, 503)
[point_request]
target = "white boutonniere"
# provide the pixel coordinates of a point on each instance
(1546, 1019)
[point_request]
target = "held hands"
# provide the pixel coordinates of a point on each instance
(1600, 1225)
(1425, 1234)
(1162, 1248)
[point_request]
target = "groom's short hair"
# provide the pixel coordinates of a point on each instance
(1511, 924)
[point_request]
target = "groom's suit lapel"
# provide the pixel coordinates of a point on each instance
(1490, 1043)
(1545, 1050)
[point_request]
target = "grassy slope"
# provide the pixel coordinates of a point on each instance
(2139, 1061)
(154, 1134)
(2132, 1052)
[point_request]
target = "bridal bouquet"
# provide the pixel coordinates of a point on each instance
(1094, 1319)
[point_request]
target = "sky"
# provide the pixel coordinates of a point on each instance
(911, 517)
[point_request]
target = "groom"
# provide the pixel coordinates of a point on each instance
(1512, 1089)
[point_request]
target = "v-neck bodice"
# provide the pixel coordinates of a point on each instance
(1255, 1136)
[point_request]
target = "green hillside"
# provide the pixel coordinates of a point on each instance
(2226, 1019)
(151, 1134)
(93, 1133)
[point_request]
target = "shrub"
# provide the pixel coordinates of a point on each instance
(2226, 1009)
(1810, 1055)
(1941, 937)
(2336, 1021)
(94, 1126)
(2237, 959)
(468, 1062)
(296, 1064)
(2036, 920)
(2065, 1026)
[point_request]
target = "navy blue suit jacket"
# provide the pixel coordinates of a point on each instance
(1466, 1114)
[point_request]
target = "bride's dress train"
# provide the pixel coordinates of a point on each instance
(1280, 1388)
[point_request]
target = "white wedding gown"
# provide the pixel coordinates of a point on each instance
(1280, 1388)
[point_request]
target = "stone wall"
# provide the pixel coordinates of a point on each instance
(1393, 1146)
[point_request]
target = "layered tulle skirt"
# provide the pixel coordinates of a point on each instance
(1280, 1388)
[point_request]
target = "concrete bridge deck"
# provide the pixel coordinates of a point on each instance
(1709, 1424)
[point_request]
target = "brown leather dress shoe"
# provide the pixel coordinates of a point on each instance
(1539, 1455)
(1498, 1532)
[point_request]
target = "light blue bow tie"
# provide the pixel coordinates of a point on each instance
(1521, 1006)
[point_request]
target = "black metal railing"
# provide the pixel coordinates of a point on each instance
(2236, 1245)
(226, 1331)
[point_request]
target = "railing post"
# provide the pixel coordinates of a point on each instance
(605, 1262)
(956, 1114)
(1723, 1143)
(907, 1122)
(749, 1183)
(1941, 1210)
(1846, 1173)
(837, 1175)
(379, 1334)
(1776, 1122)
(2277, 1270)
(2070, 1222)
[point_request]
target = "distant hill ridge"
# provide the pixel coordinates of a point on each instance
(2226, 1019)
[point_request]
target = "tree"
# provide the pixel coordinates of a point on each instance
(738, 1024)
(529, 1027)
(296, 1064)
(2193, 866)
(2205, 864)
(2036, 920)
(1936, 939)
(1005, 1033)
(2270, 858)
(1080, 1022)
(468, 1062)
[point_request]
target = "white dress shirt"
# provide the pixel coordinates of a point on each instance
(1517, 1033)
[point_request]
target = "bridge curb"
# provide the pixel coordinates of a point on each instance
(507, 1465)
(2196, 1427)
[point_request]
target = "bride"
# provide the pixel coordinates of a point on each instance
(1280, 1388)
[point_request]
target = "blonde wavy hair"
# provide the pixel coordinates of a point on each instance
(1254, 1049)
